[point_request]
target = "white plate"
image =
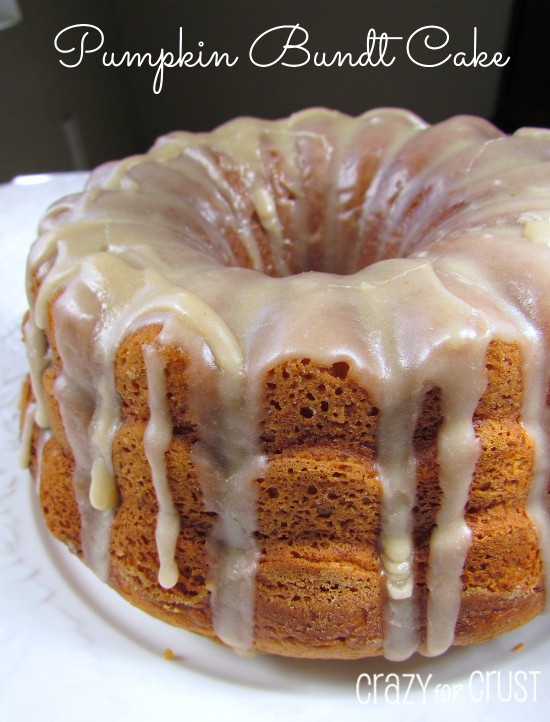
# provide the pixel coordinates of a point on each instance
(71, 649)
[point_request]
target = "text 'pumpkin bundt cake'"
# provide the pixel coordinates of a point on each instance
(289, 381)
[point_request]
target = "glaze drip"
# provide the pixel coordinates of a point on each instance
(156, 443)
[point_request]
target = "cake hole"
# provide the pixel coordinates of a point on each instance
(306, 412)
(324, 511)
(340, 370)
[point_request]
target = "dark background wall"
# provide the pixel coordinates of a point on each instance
(55, 118)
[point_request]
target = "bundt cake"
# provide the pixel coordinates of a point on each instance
(289, 381)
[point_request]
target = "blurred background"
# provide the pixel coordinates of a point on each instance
(55, 118)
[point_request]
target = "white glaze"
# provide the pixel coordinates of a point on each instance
(156, 443)
(29, 420)
(145, 241)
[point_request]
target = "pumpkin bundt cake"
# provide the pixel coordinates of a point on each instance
(289, 381)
